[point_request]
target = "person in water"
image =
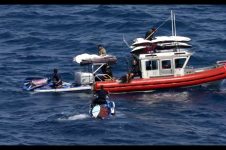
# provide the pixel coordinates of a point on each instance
(56, 79)
(149, 34)
(101, 50)
(101, 96)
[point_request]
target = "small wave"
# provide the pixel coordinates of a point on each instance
(75, 117)
(120, 114)
(78, 117)
(222, 87)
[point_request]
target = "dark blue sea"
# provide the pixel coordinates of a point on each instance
(34, 39)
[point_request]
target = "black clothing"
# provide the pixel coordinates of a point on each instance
(101, 98)
(56, 79)
(135, 70)
(98, 101)
(151, 33)
(102, 94)
(123, 79)
(106, 69)
(147, 34)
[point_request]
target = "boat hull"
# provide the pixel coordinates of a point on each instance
(64, 89)
(44, 85)
(155, 83)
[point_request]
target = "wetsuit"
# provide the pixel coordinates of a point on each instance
(101, 98)
(56, 79)
(106, 69)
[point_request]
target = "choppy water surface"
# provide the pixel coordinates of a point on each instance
(34, 39)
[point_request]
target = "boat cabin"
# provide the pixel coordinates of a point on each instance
(163, 63)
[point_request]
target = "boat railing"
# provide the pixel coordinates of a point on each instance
(103, 77)
(220, 63)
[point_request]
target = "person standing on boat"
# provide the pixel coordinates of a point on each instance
(101, 96)
(56, 79)
(106, 69)
(149, 34)
(101, 50)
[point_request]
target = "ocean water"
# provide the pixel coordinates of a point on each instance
(34, 39)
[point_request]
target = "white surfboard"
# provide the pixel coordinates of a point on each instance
(139, 41)
(164, 46)
(85, 56)
(161, 39)
(138, 48)
(85, 59)
(170, 39)
(96, 111)
(174, 44)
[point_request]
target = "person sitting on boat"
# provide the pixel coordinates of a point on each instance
(101, 96)
(149, 34)
(56, 79)
(135, 71)
(101, 50)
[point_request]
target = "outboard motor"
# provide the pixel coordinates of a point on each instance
(83, 78)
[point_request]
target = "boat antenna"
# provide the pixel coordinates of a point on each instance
(173, 21)
(175, 31)
(125, 40)
(158, 27)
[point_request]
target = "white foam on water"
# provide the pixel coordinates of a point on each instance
(74, 117)
(79, 117)
(223, 86)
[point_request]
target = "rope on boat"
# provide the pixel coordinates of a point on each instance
(125, 40)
